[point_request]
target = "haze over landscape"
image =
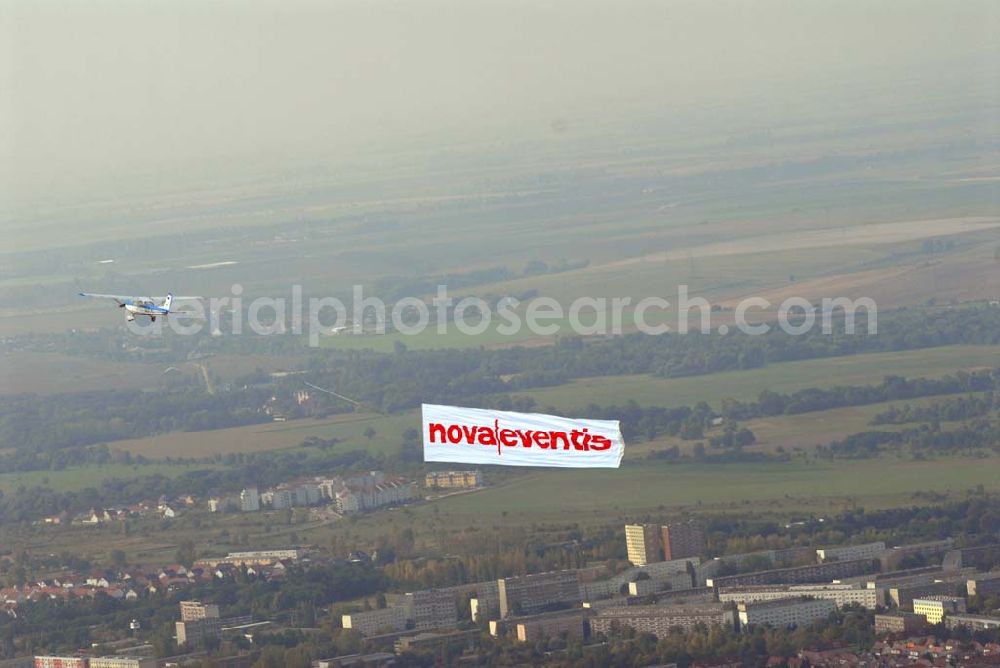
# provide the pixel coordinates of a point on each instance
(783, 152)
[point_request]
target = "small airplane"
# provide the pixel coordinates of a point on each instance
(143, 306)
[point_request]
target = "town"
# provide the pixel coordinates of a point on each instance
(924, 604)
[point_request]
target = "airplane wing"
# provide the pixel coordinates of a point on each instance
(121, 299)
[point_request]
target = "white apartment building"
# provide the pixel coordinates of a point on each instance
(841, 595)
(784, 613)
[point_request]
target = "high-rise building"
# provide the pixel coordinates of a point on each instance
(643, 544)
(682, 540)
(249, 500)
(532, 594)
(193, 610)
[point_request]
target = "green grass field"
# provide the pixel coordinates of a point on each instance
(784, 377)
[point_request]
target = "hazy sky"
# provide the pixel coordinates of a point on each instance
(92, 92)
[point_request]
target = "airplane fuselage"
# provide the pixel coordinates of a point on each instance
(146, 308)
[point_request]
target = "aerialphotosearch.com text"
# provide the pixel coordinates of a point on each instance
(318, 317)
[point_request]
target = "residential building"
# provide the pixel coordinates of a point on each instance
(984, 585)
(840, 594)
(485, 600)
(123, 662)
(825, 572)
(934, 608)
(194, 633)
(371, 622)
(544, 627)
(784, 613)
(681, 540)
(293, 494)
(899, 622)
(865, 551)
(642, 542)
(61, 662)
(904, 595)
(258, 557)
(249, 500)
(370, 492)
(532, 594)
(454, 479)
(893, 557)
(455, 641)
(661, 576)
(972, 622)
(983, 557)
(432, 609)
(374, 660)
(659, 619)
(194, 610)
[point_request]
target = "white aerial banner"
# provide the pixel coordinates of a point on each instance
(482, 436)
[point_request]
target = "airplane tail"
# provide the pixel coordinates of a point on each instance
(166, 302)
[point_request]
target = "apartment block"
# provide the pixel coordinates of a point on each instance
(893, 557)
(372, 622)
(432, 609)
(934, 608)
(784, 613)
(532, 594)
(847, 552)
(659, 619)
(123, 662)
(983, 557)
(904, 595)
(249, 500)
(899, 622)
(194, 610)
(642, 542)
(682, 540)
(455, 641)
(840, 594)
(544, 627)
(486, 601)
(196, 631)
(258, 557)
(984, 585)
(454, 479)
(796, 575)
(972, 622)
(60, 662)
(660, 576)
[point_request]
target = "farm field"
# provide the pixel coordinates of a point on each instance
(863, 369)
(275, 436)
(803, 431)
(75, 479)
(51, 373)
